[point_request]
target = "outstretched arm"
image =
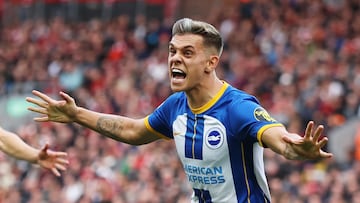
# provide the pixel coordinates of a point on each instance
(120, 128)
(295, 147)
(14, 146)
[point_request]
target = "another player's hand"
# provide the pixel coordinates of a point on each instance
(52, 160)
(310, 146)
(62, 111)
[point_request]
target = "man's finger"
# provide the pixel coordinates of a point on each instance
(325, 154)
(60, 154)
(323, 142)
(56, 172)
(318, 132)
(42, 96)
(289, 140)
(46, 147)
(36, 102)
(38, 110)
(309, 129)
(63, 161)
(67, 97)
(42, 119)
(60, 167)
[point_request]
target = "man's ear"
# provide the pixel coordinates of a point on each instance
(211, 64)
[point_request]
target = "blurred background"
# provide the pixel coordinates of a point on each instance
(299, 57)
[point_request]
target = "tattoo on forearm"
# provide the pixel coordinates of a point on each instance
(109, 127)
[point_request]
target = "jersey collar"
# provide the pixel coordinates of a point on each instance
(210, 103)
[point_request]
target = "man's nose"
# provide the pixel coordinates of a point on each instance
(175, 59)
(176, 62)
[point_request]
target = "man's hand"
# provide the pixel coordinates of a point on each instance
(63, 111)
(52, 160)
(307, 147)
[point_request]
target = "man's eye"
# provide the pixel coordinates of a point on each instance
(171, 51)
(188, 53)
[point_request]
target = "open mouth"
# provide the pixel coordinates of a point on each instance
(178, 74)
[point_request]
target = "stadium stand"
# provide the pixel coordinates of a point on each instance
(300, 58)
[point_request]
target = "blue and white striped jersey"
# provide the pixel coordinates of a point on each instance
(218, 144)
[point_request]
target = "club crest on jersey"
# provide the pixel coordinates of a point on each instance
(214, 138)
(262, 115)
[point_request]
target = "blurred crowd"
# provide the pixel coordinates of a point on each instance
(299, 58)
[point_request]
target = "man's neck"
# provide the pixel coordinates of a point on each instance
(203, 94)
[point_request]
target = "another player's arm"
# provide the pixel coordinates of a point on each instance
(295, 147)
(14, 146)
(120, 128)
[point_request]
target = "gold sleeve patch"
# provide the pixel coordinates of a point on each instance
(261, 114)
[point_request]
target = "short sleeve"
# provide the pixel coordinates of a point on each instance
(160, 121)
(251, 119)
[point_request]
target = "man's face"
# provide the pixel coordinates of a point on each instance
(187, 61)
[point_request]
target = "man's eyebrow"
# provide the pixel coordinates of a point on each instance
(184, 47)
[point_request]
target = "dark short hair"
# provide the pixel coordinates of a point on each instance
(209, 33)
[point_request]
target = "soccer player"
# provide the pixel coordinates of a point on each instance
(219, 131)
(14, 146)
